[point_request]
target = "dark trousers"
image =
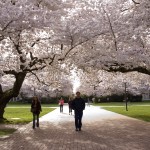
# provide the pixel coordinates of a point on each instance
(61, 108)
(35, 120)
(70, 110)
(78, 119)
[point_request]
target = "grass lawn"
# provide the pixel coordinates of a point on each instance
(4, 132)
(19, 115)
(138, 112)
(29, 105)
(22, 115)
(122, 103)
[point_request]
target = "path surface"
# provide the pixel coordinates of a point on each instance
(102, 130)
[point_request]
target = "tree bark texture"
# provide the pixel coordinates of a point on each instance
(6, 96)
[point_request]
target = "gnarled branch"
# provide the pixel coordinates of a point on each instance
(136, 3)
(122, 68)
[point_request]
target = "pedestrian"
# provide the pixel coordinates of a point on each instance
(35, 109)
(78, 105)
(61, 103)
(70, 105)
(88, 102)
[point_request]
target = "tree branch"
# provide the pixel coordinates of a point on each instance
(17, 48)
(39, 79)
(136, 3)
(124, 69)
(80, 43)
(35, 42)
(13, 72)
(1, 90)
(6, 26)
(111, 28)
(2, 37)
(52, 60)
(39, 40)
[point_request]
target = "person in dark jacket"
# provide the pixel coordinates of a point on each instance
(35, 109)
(78, 105)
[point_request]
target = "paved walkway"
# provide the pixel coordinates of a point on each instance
(102, 130)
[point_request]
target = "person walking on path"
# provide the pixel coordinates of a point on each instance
(35, 109)
(70, 105)
(78, 105)
(61, 103)
(88, 102)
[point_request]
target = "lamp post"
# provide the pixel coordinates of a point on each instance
(125, 88)
(33, 89)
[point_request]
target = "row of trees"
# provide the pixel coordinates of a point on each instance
(47, 39)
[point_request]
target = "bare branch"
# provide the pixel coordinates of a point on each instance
(136, 3)
(36, 76)
(122, 68)
(40, 80)
(17, 47)
(13, 72)
(52, 60)
(39, 39)
(61, 47)
(2, 37)
(6, 26)
(80, 43)
(35, 42)
(38, 3)
(111, 28)
(1, 90)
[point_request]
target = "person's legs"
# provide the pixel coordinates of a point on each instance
(71, 110)
(33, 121)
(37, 124)
(76, 120)
(80, 120)
(60, 108)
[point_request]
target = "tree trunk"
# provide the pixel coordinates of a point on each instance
(14, 92)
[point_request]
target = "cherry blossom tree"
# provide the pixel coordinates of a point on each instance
(34, 36)
(39, 36)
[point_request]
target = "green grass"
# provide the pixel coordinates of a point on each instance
(19, 115)
(109, 104)
(22, 115)
(122, 103)
(29, 105)
(138, 112)
(4, 132)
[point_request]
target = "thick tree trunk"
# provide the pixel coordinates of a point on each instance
(7, 95)
(3, 104)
